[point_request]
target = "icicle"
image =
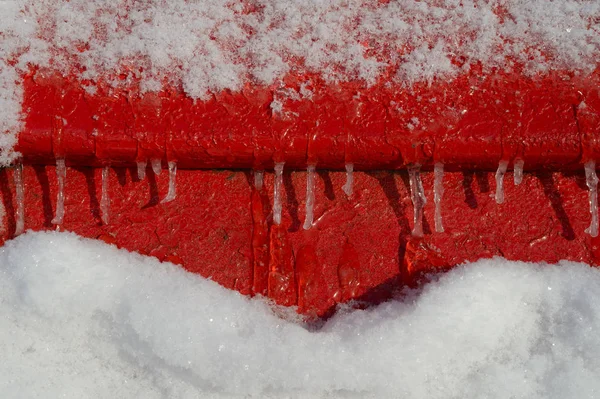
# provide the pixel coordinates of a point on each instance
(141, 169)
(105, 200)
(349, 179)
(518, 171)
(156, 166)
(310, 197)
(592, 182)
(61, 174)
(172, 193)
(20, 213)
(502, 166)
(277, 192)
(438, 192)
(418, 199)
(258, 179)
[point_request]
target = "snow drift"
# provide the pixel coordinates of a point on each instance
(83, 319)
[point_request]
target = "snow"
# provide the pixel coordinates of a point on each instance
(82, 319)
(207, 46)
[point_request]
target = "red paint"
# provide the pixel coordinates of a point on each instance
(358, 248)
(471, 122)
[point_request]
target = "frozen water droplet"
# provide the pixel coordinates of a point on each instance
(591, 180)
(518, 171)
(258, 179)
(502, 166)
(156, 166)
(20, 191)
(418, 198)
(277, 192)
(141, 169)
(172, 193)
(310, 197)
(105, 200)
(349, 179)
(438, 192)
(61, 174)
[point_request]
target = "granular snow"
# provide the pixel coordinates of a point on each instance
(81, 319)
(210, 45)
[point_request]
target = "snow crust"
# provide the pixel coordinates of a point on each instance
(210, 45)
(81, 319)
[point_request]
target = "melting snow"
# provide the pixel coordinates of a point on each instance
(82, 319)
(172, 193)
(502, 166)
(418, 199)
(61, 174)
(20, 196)
(105, 199)
(277, 187)
(592, 183)
(310, 197)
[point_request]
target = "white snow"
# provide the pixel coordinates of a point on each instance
(211, 45)
(82, 319)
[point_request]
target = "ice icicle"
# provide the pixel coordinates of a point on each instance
(591, 180)
(518, 171)
(277, 192)
(438, 192)
(418, 199)
(20, 191)
(349, 179)
(156, 166)
(61, 174)
(310, 197)
(105, 200)
(172, 193)
(141, 169)
(502, 166)
(258, 179)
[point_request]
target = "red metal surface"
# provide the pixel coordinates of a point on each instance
(360, 247)
(472, 122)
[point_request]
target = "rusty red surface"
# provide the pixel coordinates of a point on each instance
(360, 247)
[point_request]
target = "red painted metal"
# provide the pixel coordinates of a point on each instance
(360, 247)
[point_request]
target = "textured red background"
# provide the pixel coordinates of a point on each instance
(359, 247)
